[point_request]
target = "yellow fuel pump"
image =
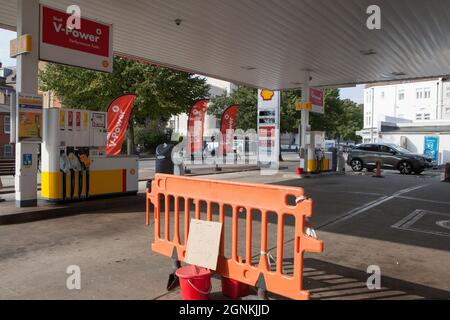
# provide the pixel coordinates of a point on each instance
(318, 160)
(74, 161)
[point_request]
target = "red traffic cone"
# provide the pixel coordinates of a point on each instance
(378, 171)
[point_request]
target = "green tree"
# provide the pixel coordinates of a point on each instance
(160, 92)
(246, 98)
(342, 118)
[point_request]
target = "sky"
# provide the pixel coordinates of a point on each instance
(5, 37)
(355, 94)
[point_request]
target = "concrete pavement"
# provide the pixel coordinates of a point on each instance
(390, 223)
(356, 216)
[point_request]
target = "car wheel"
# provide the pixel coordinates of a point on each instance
(405, 168)
(357, 165)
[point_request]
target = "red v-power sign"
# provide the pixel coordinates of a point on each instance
(89, 47)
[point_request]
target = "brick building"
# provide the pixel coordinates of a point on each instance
(7, 79)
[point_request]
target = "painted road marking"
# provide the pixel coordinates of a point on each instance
(412, 223)
(348, 192)
(355, 212)
(405, 222)
(444, 224)
(424, 200)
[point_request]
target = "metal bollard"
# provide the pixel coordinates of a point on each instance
(341, 162)
(178, 169)
(1, 187)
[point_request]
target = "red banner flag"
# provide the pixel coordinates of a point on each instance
(228, 126)
(196, 127)
(119, 113)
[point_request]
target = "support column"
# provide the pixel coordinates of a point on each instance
(304, 125)
(27, 82)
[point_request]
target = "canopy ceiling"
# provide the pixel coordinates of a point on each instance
(270, 43)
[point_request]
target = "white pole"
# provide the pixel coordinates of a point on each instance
(373, 116)
(304, 125)
(27, 82)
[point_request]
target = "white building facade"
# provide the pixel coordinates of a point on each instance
(408, 113)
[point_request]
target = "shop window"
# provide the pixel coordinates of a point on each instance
(7, 151)
(368, 97)
(7, 124)
(368, 119)
(419, 94)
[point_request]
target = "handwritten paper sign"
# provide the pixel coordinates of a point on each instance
(203, 244)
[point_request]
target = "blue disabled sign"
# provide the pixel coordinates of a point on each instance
(431, 148)
(27, 160)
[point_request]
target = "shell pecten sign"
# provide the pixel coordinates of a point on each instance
(267, 95)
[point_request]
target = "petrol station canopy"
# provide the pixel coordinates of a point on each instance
(271, 43)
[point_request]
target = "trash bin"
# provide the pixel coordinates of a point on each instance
(334, 166)
(164, 163)
(341, 162)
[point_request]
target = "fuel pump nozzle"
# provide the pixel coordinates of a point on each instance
(320, 156)
(65, 169)
(75, 167)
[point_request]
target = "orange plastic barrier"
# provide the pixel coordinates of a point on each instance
(241, 197)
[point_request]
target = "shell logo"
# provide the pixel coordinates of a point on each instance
(105, 64)
(267, 95)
